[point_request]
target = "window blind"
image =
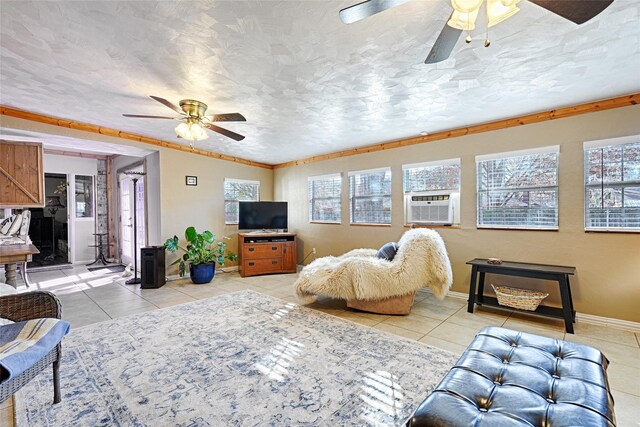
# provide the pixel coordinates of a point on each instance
(518, 189)
(612, 185)
(432, 176)
(370, 196)
(325, 194)
(236, 190)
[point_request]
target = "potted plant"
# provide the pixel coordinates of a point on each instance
(202, 252)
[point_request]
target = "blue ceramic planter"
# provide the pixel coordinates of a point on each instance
(202, 273)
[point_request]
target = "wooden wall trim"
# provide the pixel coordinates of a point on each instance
(559, 113)
(49, 120)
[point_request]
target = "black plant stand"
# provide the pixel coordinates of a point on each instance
(99, 245)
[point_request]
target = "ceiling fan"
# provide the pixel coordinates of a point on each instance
(194, 121)
(465, 13)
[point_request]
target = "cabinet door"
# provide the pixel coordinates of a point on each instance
(21, 175)
(289, 257)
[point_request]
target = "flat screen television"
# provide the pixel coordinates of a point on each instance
(262, 216)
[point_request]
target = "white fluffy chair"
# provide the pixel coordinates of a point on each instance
(373, 284)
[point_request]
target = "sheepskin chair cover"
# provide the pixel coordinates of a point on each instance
(421, 261)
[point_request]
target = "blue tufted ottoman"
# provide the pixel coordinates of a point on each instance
(512, 378)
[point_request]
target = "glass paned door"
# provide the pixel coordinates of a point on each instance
(127, 218)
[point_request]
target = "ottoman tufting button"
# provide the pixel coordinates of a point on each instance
(556, 376)
(483, 409)
(550, 400)
(514, 344)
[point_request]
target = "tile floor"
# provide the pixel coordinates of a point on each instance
(90, 297)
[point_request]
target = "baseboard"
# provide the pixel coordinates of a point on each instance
(583, 317)
(609, 321)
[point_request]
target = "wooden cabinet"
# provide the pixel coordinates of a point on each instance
(21, 175)
(267, 253)
(289, 259)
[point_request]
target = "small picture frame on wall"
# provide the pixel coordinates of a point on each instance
(192, 180)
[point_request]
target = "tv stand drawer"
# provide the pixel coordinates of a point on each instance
(261, 250)
(261, 266)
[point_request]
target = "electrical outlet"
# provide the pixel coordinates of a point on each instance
(313, 251)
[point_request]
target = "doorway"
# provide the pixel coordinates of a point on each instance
(49, 228)
(126, 214)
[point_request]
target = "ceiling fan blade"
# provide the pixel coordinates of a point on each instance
(367, 8)
(140, 116)
(225, 132)
(168, 104)
(444, 44)
(578, 11)
(227, 117)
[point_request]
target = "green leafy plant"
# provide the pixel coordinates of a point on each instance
(201, 248)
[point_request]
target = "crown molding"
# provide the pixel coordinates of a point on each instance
(87, 127)
(559, 113)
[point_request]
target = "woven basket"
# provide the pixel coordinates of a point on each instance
(524, 299)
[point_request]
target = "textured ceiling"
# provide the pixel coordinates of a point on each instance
(64, 143)
(307, 83)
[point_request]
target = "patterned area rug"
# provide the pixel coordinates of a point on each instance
(242, 359)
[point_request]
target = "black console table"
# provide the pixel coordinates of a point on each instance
(556, 273)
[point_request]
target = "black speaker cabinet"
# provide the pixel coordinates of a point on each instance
(152, 263)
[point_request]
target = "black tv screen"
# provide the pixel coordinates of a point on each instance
(262, 215)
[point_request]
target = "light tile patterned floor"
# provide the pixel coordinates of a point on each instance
(90, 297)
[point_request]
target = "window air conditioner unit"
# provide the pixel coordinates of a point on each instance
(433, 207)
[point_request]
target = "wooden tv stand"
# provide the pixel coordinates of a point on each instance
(267, 253)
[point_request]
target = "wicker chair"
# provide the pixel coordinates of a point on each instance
(32, 305)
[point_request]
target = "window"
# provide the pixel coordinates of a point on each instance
(612, 184)
(518, 189)
(236, 190)
(325, 198)
(370, 196)
(84, 196)
(432, 176)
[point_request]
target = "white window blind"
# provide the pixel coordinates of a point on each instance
(612, 184)
(432, 176)
(325, 194)
(518, 189)
(236, 190)
(370, 196)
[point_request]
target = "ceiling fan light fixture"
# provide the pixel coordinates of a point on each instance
(191, 131)
(463, 21)
(497, 11)
(183, 130)
(198, 132)
(466, 6)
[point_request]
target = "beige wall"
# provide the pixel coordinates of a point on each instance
(608, 265)
(608, 279)
(203, 205)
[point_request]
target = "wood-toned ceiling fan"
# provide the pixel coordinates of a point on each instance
(194, 120)
(465, 12)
